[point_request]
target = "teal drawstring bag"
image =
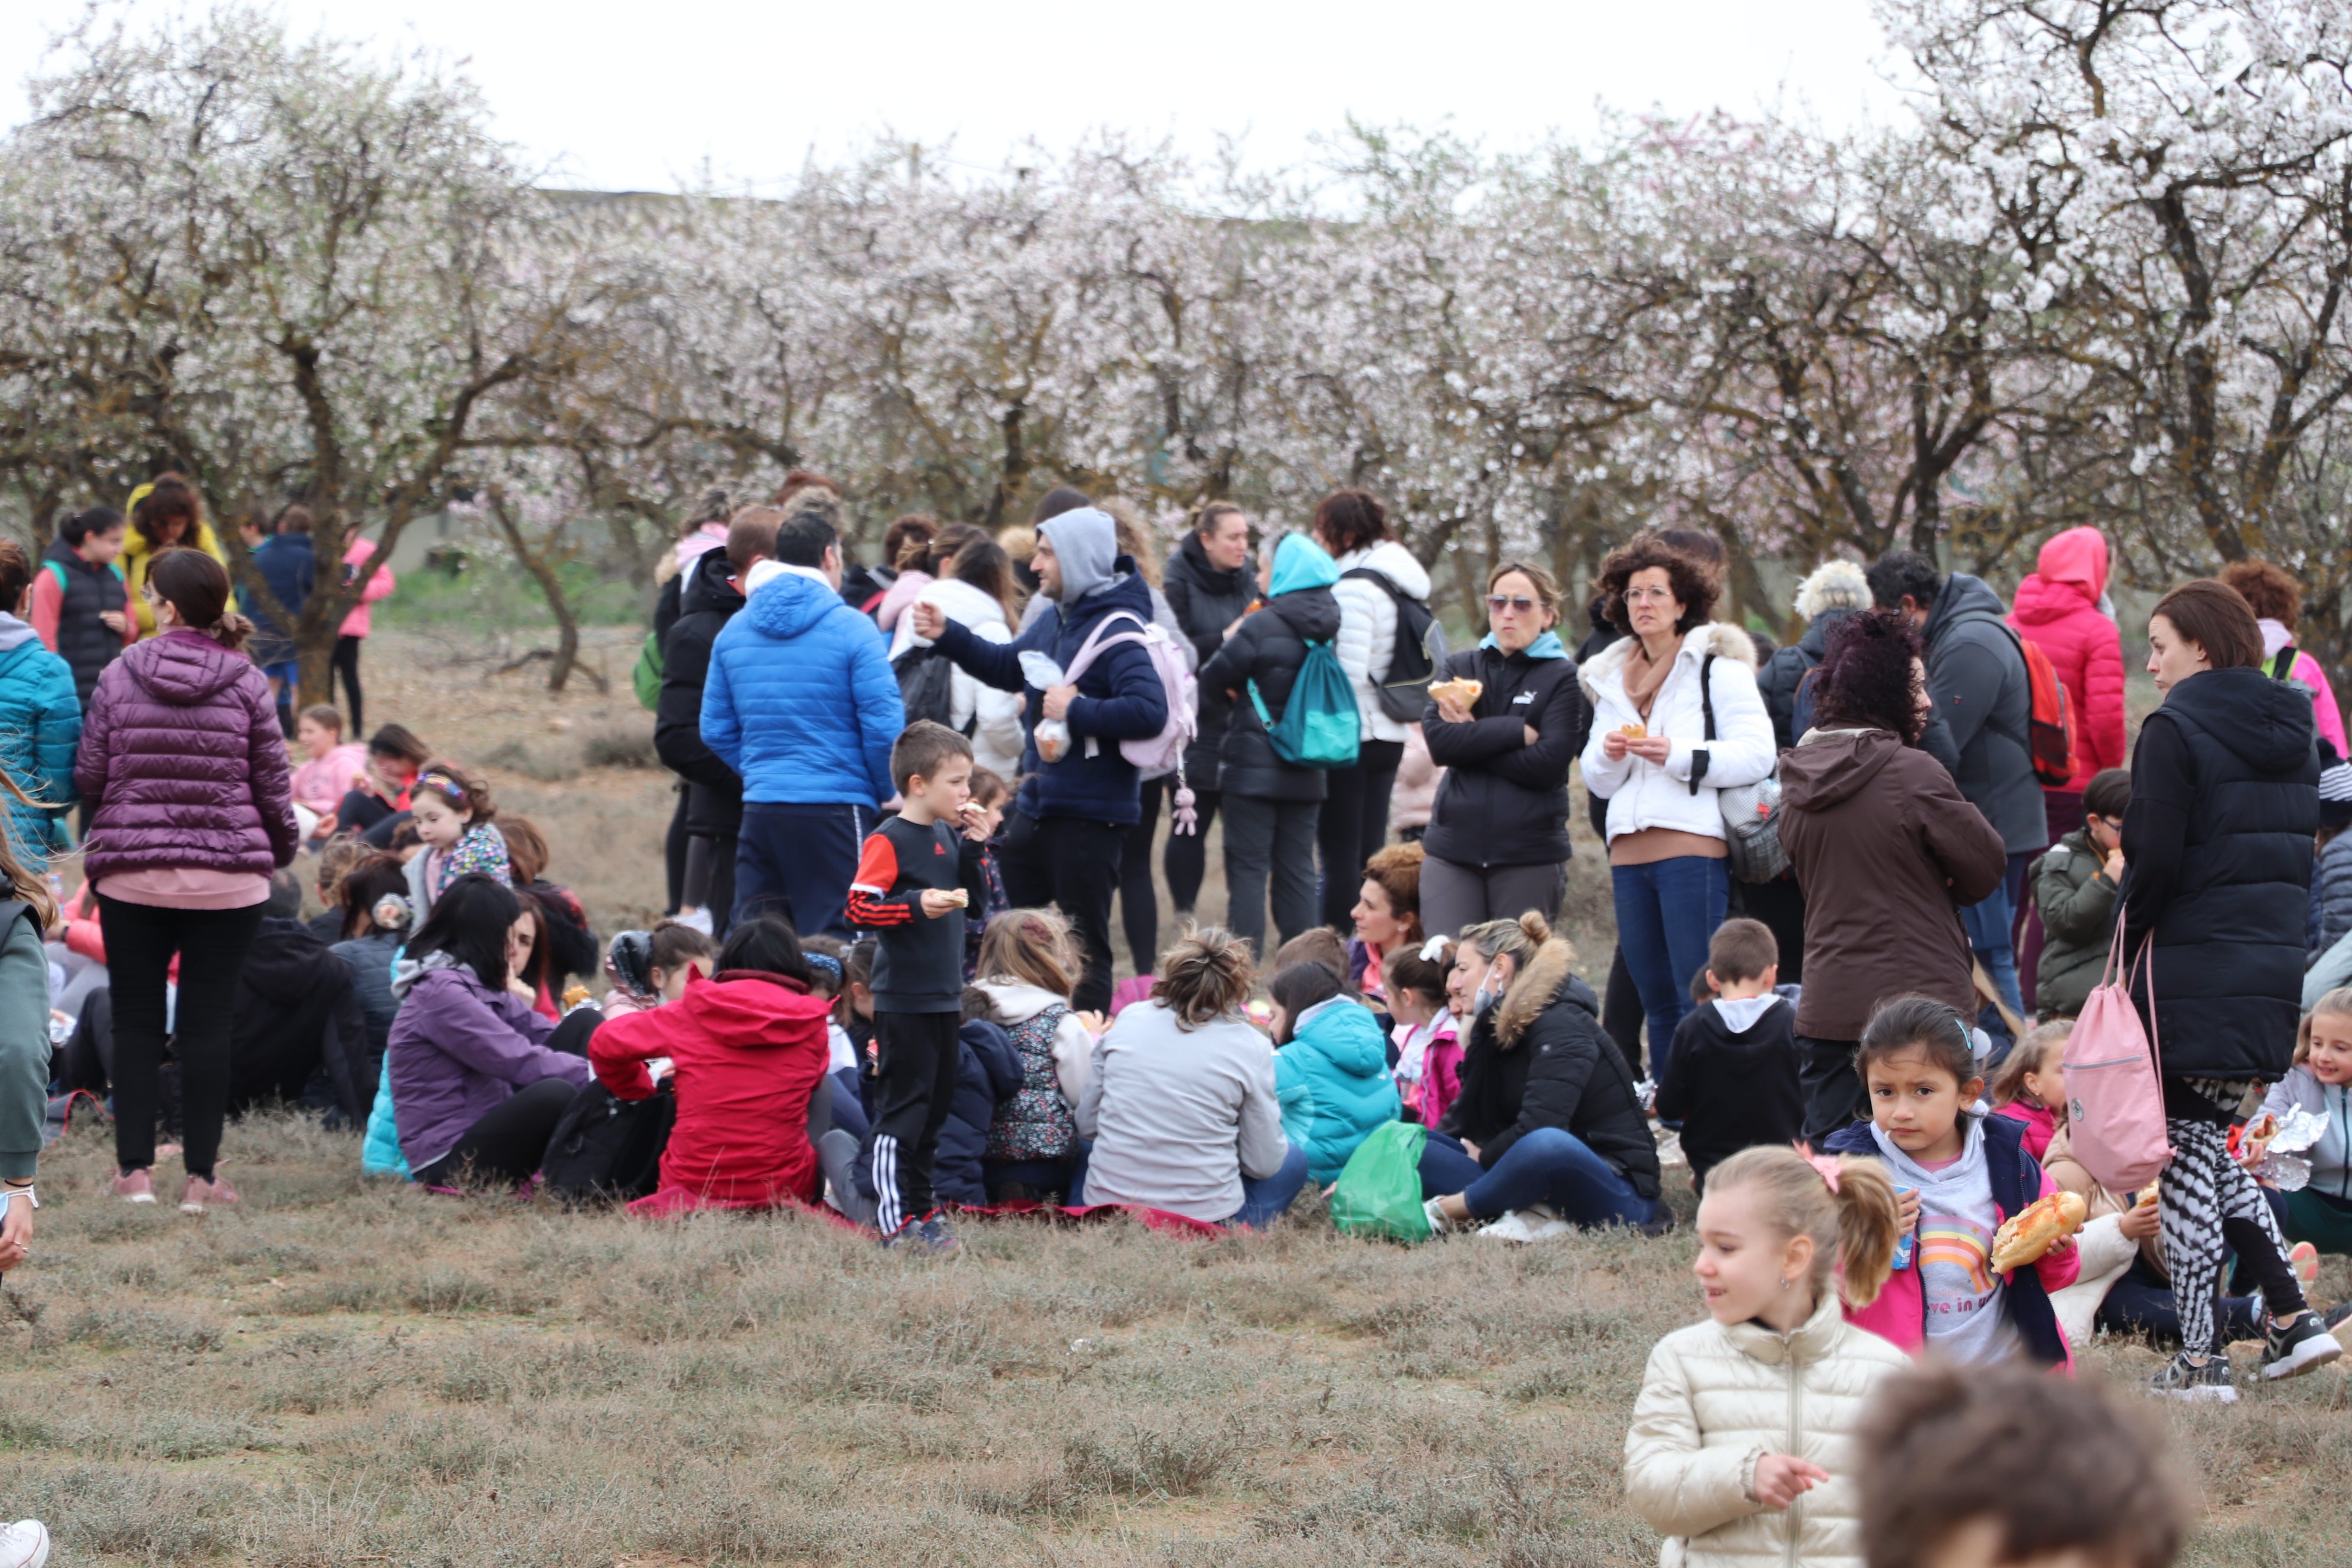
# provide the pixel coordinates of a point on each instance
(1378, 1192)
(1319, 728)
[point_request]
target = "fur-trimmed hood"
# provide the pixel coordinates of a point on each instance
(1833, 585)
(1550, 973)
(1720, 638)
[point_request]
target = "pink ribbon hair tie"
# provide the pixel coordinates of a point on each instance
(1826, 1164)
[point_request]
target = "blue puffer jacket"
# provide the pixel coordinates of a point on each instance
(40, 725)
(1333, 1085)
(1120, 699)
(800, 700)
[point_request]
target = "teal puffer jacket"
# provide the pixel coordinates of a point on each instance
(40, 726)
(1334, 1084)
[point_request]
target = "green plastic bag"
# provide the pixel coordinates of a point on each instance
(1319, 728)
(1379, 1189)
(648, 675)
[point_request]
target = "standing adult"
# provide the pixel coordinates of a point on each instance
(166, 513)
(81, 610)
(800, 703)
(2061, 608)
(1976, 673)
(1887, 850)
(2276, 599)
(709, 597)
(975, 586)
(41, 722)
(359, 550)
(1656, 696)
(1210, 587)
(185, 766)
(2217, 850)
(1272, 805)
(288, 564)
(1496, 844)
(1377, 577)
(1078, 795)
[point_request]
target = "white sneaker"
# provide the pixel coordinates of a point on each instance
(1670, 1149)
(1440, 1222)
(1535, 1223)
(697, 920)
(25, 1544)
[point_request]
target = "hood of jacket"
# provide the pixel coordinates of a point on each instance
(407, 972)
(2267, 723)
(1345, 1034)
(789, 604)
(14, 634)
(1011, 1001)
(185, 667)
(1834, 766)
(1215, 578)
(1300, 562)
(1086, 543)
(1126, 590)
(1833, 585)
(1311, 613)
(1816, 640)
(283, 964)
(2076, 558)
(710, 586)
(1962, 595)
(1549, 976)
(741, 1008)
(1717, 638)
(1394, 562)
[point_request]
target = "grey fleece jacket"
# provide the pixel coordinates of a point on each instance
(24, 1044)
(1976, 675)
(1180, 1116)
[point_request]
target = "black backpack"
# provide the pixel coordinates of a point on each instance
(1419, 649)
(606, 1149)
(926, 685)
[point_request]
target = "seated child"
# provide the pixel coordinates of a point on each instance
(334, 769)
(648, 969)
(380, 794)
(2320, 1082)
(1331, 1069)
(2030, 1087)
(571, 946)
(453, 817)
(748, 1052)
(2073, 886)
(1427, 1041)
(829, 960)
(1958, 1176)
(1731, 1075)
(989, 796)
(1029, 963)
(1709, 1460)
(337, 858)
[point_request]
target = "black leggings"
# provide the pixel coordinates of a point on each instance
(674, 849)
(1139, 900)
(141, 939)
(1188, 854)
(346, 668)
(509, 1142)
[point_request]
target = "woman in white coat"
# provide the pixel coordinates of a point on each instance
(1651, 757)
(975, 588)
(1354, 527)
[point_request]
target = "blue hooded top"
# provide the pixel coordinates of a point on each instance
(1300, 562)
(1333, 1083)
(40, 726)
(799, 699)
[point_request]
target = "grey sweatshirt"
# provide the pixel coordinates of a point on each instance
(24, 1045)
(1180, 1116)
(1958, 1219)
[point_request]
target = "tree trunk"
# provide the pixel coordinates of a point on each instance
(542, 567)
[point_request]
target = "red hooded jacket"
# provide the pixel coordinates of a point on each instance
(2057, 606)
(750, 1048)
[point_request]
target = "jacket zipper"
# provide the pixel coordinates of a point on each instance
(1796, 1450)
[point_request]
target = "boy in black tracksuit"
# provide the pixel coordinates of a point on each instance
(1731, 1080)
(916, 877)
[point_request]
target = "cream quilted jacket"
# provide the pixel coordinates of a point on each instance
(1714, 1401)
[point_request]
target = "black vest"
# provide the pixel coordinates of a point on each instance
(86, 643)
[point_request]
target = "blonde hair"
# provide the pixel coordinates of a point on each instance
(1515, 940)
(1204, 977)
(1853, 1229)
(1032, 946)
(2338, 1002)
(2028, 1055)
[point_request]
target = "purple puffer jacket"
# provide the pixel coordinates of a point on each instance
(182, 759)
(457, 1051)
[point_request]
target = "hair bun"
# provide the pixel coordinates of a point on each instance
(1537, 928)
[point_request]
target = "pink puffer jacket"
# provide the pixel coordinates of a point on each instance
(2057, 608)
(183, 764)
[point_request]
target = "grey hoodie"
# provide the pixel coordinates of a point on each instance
(1957, 1220)
(1086, 542)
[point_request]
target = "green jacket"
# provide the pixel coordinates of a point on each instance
(24, 1043)
(2078, 922)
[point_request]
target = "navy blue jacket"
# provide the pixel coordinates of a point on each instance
(1120, 699)
(988, 1073)
(288, 564)
(2016, 1179)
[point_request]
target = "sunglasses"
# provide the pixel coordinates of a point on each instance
(1497, 603)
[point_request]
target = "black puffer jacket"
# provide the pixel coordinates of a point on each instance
(707, 603)
(1269, 648)
(296, 1015)
(1206, 600)
(1537, 1059)
(1503, 802)
(2216, 868)
(1778, 679)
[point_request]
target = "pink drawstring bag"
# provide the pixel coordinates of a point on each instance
(2115, 1099)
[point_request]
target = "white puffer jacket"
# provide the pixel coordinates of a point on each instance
(1715, 1400)
(1651, 794)
(996, 741)
(1367, 628)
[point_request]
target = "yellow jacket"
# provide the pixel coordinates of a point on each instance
(135, 553)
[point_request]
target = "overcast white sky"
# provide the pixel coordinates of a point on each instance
(633, 96)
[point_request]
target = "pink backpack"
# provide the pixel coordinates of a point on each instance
(1156, 754)
(2114, 1097)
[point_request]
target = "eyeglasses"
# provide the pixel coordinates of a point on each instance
(1497, 603)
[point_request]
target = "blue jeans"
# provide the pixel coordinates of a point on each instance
(1545, 1166)
(1988, 922)
(1265, 1199)
(797, 862)
(1666, 914)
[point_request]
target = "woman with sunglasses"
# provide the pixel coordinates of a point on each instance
(1497, 839)
(1676, 716)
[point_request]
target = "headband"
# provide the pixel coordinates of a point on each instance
(824, 963)
(443, 783)
(391, 911)
(1824, 1165)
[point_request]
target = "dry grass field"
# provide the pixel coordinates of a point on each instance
(348, 1370)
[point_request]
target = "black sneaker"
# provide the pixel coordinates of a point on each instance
(2184, 1380)
(2294, 1351)
(2336, 1314)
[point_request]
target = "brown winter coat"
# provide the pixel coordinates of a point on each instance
(1887, 852)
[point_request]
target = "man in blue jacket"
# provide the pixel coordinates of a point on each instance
(289, 566)
(800, 702)
(1062, 844)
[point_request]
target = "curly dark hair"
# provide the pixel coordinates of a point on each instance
(1867, 678)
(1349, 520)
(2267, 589)
(1694, 586)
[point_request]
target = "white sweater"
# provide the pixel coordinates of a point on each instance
(1653, 794)
(996, 741)
(1180, 1116)
(1367, 628)
(1715, 1400)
